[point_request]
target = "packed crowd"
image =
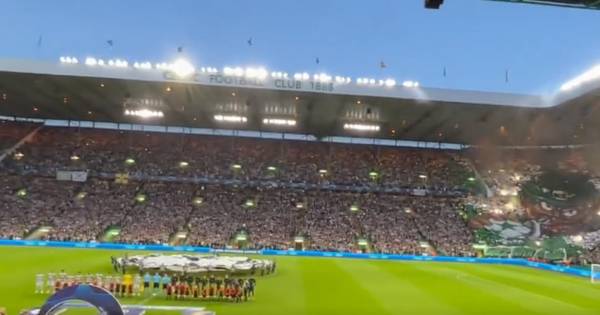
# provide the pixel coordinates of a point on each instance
(175, 209)
(213, 215)
(12, 132)
(159, 154)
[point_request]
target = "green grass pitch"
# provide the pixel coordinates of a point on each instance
(340, 286)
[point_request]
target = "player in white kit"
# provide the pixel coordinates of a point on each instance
(39, 283)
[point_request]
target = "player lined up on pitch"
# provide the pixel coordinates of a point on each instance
(178, 287)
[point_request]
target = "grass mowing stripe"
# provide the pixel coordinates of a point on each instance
(396, 291)
(334, 291)
(528, 283)
(575, 285)
(529, 298)
(469, 296)
(280, 293)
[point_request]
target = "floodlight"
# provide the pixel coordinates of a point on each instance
(183, 68)
(390, 82)
(91, 61)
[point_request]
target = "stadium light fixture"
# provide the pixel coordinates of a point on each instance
(144, 113)
(471, 179)
(366, 81)
(271, 168)
(142, 65)
(322, 77)
(407, 210)
(198, 201)
(208, 70)
(323, 172)
(74, 158)
(354, 208)
(69, 60)
(301, 76)
(249, 203)
(183, 164)
(342, 80)
(22, 192)
(361, 127)
(422, 176)
(228, 71)
(256, 73)
(279, 122)
(182, 68)
(373, 174)
(410, 84)
(140, 198)
(299, 205)
(236, 166)
(231, 118)
(118, 63)
(17, 156)
(129, 161)
(81, 195)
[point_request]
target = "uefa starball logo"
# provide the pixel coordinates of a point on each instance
(97, 297)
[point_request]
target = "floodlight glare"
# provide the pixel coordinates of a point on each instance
(231, 118)
(410, 84)
(586, 77)
(91, 61)
(361, 127)
(183, 68)
(390, 82)
(279, 121)
(145, 113)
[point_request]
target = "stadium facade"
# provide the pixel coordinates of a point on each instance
(319, 105)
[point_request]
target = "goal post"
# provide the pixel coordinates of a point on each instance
(595, 273)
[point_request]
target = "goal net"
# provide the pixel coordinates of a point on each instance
(595, 273)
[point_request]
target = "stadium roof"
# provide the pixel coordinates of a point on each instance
(320, 105)
(582, 4)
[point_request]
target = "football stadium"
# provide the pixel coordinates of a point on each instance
(138, 179)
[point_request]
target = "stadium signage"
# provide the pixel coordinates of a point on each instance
(232, 80)
(286, 84)
(303, 85)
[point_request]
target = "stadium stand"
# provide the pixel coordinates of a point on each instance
(156, 188)
(212, 213)
(158, 154)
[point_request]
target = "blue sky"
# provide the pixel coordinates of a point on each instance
(475, 40)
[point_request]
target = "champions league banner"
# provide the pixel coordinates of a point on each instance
(193, 264)
(166, 248)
